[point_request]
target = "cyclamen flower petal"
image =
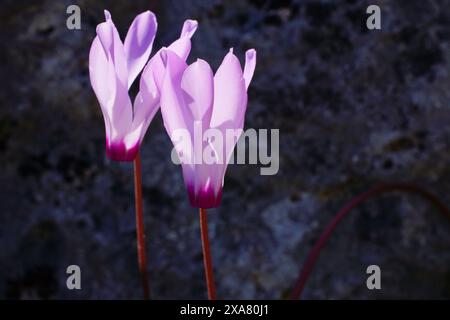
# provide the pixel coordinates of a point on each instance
(229, 93)
(250, 64)
(113, 47)
(182, 46)
(139, 42)
(199, 99)
(152, 77)
(191, 97)
(113, 67)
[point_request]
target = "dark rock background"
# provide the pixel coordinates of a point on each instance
(354, 107)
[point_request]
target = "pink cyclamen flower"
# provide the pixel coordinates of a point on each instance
(113, 67)
(192, 99)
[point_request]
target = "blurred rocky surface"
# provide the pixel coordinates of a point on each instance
(353, 106)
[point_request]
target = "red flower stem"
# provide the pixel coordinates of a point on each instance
(141, 251)
(209, 274)
(375, 191)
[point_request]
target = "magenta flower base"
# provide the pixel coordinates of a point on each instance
(119, 152)
(205, 198)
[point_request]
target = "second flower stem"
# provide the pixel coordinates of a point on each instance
(141, 249)
(207, 261)
(356, 201)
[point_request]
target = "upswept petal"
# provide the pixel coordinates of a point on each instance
(113, 46)
(114, 100)
(229, 114)
(138, 43)
(229, 93)
(112, 96)
(197, 84)
(103, 88)
(174, 111)
(249, 68)
(98, 68)
(182, 46)
(189, 28)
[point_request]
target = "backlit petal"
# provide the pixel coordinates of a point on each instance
(113, 46)
(138, 43)
(182, 46)
(198, 86)
(229, 93)
(249, 68)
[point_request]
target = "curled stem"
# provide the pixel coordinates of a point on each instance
(141, 250)
(207, 261)
(344, 211)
